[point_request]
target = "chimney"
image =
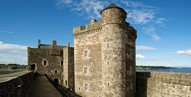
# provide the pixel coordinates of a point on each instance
(38, 43)
(54, 44)
(68, 45)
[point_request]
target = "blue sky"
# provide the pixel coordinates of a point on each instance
(163, 27)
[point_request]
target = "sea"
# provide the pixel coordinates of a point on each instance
(176, 69)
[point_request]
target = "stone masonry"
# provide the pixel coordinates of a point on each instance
(163, 84)
(49, 60)
(105, 56)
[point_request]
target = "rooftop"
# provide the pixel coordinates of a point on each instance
(113, 5)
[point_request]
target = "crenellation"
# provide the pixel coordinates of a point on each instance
(78, 29)
(94, 25)
(87, 32)
(89, 28)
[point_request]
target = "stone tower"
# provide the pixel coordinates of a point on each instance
(118, 53)
(105, 56)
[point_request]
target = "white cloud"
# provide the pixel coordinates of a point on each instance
(141, 16)
(146, 48)
(65, 1)
(184, 52)
(139, 56)
(11, 48)
(12, 53)
(89, 8)
(160, 21)
(151, 32)
(138, 12)
(134, 4)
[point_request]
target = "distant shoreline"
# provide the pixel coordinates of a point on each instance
(163, 69)
(152, 67)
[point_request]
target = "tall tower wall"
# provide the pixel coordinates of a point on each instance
(118, 57)
(88, 60)
(105, 56)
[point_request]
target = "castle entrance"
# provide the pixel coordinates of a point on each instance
(32, 67)
(56, 80)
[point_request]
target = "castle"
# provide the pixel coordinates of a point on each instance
(102, 62)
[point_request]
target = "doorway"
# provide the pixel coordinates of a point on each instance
(56, 80)
(32, 67)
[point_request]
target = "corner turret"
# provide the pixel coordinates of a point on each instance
(113, 14)
(118, 40)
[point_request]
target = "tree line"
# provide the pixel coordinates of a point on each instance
(12, 66)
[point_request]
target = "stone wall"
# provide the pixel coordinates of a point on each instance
(157, 84)
(88, 66)
(47, 61)
(68, 68)
(16, 86)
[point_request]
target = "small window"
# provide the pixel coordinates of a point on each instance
(85, 53)
(44, 62)
(107, 62)
(61, 62)
(131, 86)
(66, 82)
(86, 87)
(85, 70)
(55, 71)
(107, 45)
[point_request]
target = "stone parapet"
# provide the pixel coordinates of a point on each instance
(16, 84)
(163, 84)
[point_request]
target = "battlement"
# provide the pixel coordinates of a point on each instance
(49, 46)
(93, 25)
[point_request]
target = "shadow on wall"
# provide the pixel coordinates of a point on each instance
(141, 83)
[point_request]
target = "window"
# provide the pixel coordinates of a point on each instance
(55, 71)
(85, 70)
(107, 45)
(61, 62)
(66, 82)
(107, 62)
(85, 53)
(44, 62)
(86, 87)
